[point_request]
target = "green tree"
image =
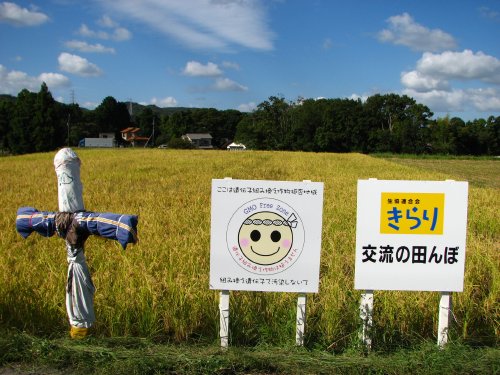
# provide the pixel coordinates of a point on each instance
(149, 123)
(112, 116)
(75, 122)
(20, 138)
(249, 134)
(396, 123)
(340, 126)
(307, 118)
(47, 130)
(269, 126)
(493, 135)
(6, 109)
(180, 143)
(175, 125)
(441, 138)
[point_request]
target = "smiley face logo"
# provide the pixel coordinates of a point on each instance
(266, 238)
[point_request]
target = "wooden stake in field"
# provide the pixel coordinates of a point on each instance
(74, 224)
(80, 288)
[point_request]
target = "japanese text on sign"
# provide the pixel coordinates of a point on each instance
(411, 235)
(412, 213)
(264, 190)
(414, 254)
(266, 235)
(262, 281)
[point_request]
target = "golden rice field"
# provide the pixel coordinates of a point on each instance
(159, 288)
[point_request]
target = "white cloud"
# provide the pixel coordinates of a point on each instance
(86, 32)
(489, 13)
(418, 81)
(432, 81)
(247, 107)
(54, 79)
(106, 21)
(440, 100)
(403, 30)
(481, 100)
(169, 101)
(225, 84)
(231, 65)
(86, 47)
(90, 105)
(118, 34)
(12, 82)
(487, 99)
(327, 44)
(78, 65)
(464, 65)
(202, 24)
(15, 15)
(363, 98)
(196, 69)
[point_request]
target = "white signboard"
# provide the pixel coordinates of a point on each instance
(410, 235)
(266, 235)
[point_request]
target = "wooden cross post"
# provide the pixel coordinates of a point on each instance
(80, 289)
(74, 224)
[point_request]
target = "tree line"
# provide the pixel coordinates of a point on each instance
(36, 122)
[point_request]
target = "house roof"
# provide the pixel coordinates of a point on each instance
(238, 145)
(137, 138)
(130, 130)
(198, 136)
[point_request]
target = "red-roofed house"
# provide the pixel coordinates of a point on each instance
(131, 135)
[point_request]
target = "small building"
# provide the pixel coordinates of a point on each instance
(107, 135)
(104, 140)
(236, 147)
(199, 140)
(131, 135)
(97, 142)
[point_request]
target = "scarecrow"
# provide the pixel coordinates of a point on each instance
(75, 225)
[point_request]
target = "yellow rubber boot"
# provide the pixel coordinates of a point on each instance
(78, 333)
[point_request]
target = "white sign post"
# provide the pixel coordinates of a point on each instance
(266, 236)
(411, 235)
(224, 318)
(444, 318)
(366, 316)
(301, 319)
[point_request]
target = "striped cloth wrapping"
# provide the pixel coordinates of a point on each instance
(122, 228)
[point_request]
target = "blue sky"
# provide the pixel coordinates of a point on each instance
(234, 54)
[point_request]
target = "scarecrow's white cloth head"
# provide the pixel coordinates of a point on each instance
(69, 186)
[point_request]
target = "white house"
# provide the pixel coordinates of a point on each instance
(236, 147)
(199, 140)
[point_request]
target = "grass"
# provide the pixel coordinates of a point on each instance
(159, 290)
(479, 172)
(29, 354)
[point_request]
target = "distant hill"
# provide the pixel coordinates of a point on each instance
(7, 98)
(138, 108)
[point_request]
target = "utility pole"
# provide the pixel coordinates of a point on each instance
(153, 131)
(67, 124)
